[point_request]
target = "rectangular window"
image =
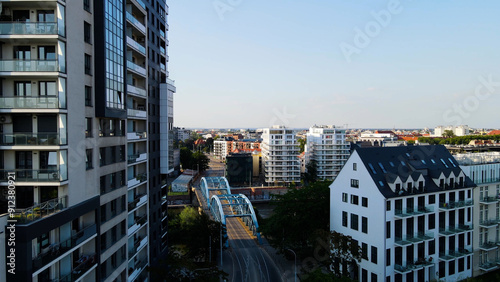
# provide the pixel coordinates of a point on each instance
(88, 64)
(364, 251)
(344, 197)
(364, 202)
(86, 5)
(432, 221)
(388, 257)
(364, 225)
(388, 205)
(364, 275)
(22, 88)
(354, 166)
(432, 199)
(432, 247)
(354, 199)
(88, 96)
(461, 264)
(88, 160)
(374, 277)
(388, 229)
(87, 32)
(344, 219)
(354, 222)
(374, 255)
(354, 183)
(451, 267)
(88, 127)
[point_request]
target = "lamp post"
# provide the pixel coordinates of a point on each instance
(295, 264)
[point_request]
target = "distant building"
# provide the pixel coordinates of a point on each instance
(239, 169)
(328, 147)
(409, 208)
(225, 146)
(280, 153)
(460, 130)
(182, 134)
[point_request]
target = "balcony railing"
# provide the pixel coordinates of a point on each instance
(136, 45)
(141, 177)
(137, 245)
(136, 135)
(32, 175)
(489, 200)
(57, 249)
(136, 113)
(487, 266)
(413, 211)
(489, 223)
(41, 210)
(141, 4)
(413, 239)
(451, 230)
(30, 139)
(26, 102)
(138, 200)
(137, 158)
(28, 28)
(136, 22)
(408, 267)
(136, 67)
(86, 262)
(137, 223)
(136, 90)
(134, 272)
(455, 205)
(488, 246)
(29, 65)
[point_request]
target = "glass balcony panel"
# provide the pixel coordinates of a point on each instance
(34, 175)
(41, 210)
(28, 28)
(29, 65)
(31, 139)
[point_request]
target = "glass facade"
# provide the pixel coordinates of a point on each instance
(115, 77)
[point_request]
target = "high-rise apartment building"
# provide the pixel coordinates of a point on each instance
(85, 122)
(328, 147)
(280, 153)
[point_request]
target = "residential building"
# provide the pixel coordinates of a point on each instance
(409, 209)
(328, 147)
(460, 130)
(80, 118)
(280, 155)
(484, 170)
(182, 134)
(227, 145)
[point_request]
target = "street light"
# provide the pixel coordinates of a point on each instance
(295, 264)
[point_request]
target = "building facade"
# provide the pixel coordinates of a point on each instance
(484, 170)
(410, 211)
(280, 155)
(80, 126)
(327, 146)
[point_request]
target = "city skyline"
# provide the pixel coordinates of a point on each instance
(244, 64)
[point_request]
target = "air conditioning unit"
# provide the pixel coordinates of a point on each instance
(5, 119)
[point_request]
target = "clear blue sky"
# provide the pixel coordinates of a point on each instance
(242, 63)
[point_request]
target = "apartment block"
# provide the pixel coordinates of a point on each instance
(328, 147)
(410, 209)
(81, 113)
(280, 155)
(484, 170)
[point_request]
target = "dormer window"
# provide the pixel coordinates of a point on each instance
(398, 188)
(452, 182)
(420, 185)
(441, 183)
(410, 186)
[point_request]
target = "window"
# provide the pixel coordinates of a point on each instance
(432, 199)
(354, 166)
(88, 96)
(354, 183)
(451, 267)
(374, 277)
(88, 64)
(364, 202)
(354, 222)
(47, 88)
(461, 264)
(344, 219)
(432, 247)
(364, 275)
(47, 53)
(344, 197)
(388, 205)
(354, 199)
(88, 127)
(374, 255)
(86, 5)
(87, 32)
(432, 221)
(364, 225)
(388, 229)
(364, 251)
(88, 160)
(22, 88)
(388, 257)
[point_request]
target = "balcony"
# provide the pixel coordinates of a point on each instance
(32, 175)
(138, 223)
(134, 272)
(455, 205)
(136, 90)
(31, 139)
(409, 267)
(135, 158)
(417, 238)
(138, 47)
(488, 200)
(136, 68)
(138, 244)
(58, 249)
(41, 210)
(29, 65)
(139, 178)
(26, 102)
(488, 246)
(141, 4)
(135, 22)
(488, 266)
(85, 263)
(488, 223)
(409, 212)
(137, 202)
(454, 254)
(136, 135)
(136, 113)
(451, 230)
(28, 28)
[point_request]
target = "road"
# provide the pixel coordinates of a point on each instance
(245, 260)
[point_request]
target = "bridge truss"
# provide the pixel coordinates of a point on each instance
(216, 185)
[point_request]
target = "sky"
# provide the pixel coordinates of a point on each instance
(364, 64)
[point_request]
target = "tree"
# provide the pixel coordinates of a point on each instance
(297, 214)
(344, 252)
(448, 133)
(302, 145)
(311, 172)
(200, 161)
(186, 158)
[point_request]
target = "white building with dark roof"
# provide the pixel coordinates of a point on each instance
(409, 209)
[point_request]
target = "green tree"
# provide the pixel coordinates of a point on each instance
(302, 144)
(448, 133)
(200, 161)
(344, 251)
(186, 158)
(311, 173)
